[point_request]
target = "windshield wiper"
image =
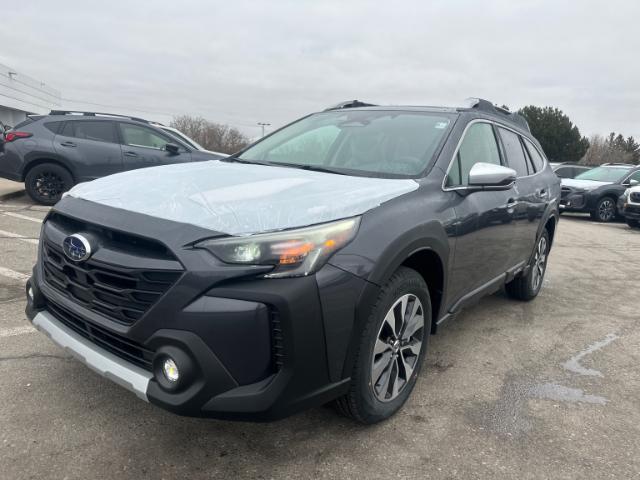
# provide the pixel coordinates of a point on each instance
(242, 160)
(315, 168)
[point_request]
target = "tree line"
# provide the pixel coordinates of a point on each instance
(213, 136)
(562, 142)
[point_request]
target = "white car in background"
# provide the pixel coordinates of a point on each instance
(188, 140)
(630, 201)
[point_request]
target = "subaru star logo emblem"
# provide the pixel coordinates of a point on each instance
(76, 247)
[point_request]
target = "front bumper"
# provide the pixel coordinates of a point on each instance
(631, 210)
(225, 332)
(574, 202)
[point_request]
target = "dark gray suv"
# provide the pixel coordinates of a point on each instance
(51, 153)
(310, 267)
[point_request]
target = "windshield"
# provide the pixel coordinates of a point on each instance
(604, 174)
(358, 142)
(181, 136)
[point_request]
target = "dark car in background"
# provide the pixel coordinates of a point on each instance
(569, 170)
(51, 153)
(597, 191)
(310, 267)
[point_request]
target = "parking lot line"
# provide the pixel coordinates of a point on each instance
(15, 331)
(19, 237)
(7, 272)
(21, 217)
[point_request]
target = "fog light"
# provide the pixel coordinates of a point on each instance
(30, 293)
(170, 370)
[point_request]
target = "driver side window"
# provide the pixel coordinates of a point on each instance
(479, 145)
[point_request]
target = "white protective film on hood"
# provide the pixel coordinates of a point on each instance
(241, 199)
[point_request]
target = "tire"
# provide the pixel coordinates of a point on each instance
(45, 183)
(606, 210)
(526, 287)
(384, 358)
(632, 223)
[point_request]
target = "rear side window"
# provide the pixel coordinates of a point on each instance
(536, 158)
(515, 153)
(53, 127)
(478, 146)
(23, 123)
(98, 131)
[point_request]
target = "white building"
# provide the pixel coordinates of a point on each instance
(21, 95)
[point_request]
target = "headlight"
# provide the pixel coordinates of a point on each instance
(293, 253)
(626, 193)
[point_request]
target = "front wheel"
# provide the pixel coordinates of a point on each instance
(391, 349)
(526, 287)
(45, 183)
(605, 210)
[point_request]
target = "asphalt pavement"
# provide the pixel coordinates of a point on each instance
(546, 389)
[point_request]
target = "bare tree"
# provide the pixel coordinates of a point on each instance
(606, 150)
(212, 136)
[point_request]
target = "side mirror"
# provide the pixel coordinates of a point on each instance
(172, 148)
(488, 176)
(633, 183)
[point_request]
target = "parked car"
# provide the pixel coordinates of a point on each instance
(51, 153)
(596, 192)
(310, 267)
(174, 132)
(629, 204)
(569, 170)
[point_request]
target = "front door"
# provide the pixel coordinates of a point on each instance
(144, 147)
(484, 219)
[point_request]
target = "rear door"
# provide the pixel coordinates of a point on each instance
(529, 195)
(91, 146)
(145, 147)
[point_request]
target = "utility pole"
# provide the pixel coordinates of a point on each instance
(264, 125)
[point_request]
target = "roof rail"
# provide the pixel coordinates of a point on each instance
(349, 104)
(487, 106)
(95, 114)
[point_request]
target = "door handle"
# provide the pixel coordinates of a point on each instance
(68, 144)
(541, 193)
(131, 154)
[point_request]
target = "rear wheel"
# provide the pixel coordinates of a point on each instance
(605, 210)
(391, 350)
(45, 183)
(526, 287)
(632, 223)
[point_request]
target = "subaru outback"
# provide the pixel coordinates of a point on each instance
(309, 268)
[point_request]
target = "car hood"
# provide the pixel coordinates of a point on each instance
(585, 184)
(241, 199)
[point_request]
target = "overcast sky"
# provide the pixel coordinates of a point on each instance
(244, 62)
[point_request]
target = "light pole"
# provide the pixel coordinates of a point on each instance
(263, 125)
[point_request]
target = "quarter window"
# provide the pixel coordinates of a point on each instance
(478, 146)
(514, 150)
(538, 161)
(137, 136)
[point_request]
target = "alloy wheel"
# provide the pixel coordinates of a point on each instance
(539, 263)
(606, 210)
(397, 349)
(48, 185)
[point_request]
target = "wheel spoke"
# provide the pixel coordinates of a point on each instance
(395, 383)
(380, 347)
(413, 326)
(380, 366)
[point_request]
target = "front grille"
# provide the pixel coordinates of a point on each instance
(635, 197)
(277, 344)
(114, 343)
(122, 292)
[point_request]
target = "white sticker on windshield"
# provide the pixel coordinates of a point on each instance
(441, 125)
